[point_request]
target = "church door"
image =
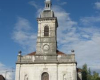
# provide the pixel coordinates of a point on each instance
(45, 76)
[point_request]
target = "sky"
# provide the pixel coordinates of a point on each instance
(79, 29)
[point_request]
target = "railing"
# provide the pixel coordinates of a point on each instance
(26, 59)
(61, 58)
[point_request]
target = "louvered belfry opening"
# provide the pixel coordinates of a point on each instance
(45, 76)
(46, 31)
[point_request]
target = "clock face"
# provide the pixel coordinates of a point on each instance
(46, 47)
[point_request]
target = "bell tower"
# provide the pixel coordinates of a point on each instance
(47, 32)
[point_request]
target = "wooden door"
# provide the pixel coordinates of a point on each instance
(45, 76)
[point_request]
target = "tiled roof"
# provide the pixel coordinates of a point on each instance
(58, 52)
(33, 53)
(79, 70)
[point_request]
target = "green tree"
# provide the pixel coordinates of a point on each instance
(95, 76)
(84, 72)
(89, 76)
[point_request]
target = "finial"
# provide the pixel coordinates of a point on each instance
(48, 0)
(72, 51)
(19, 53)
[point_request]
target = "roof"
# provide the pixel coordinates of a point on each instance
(47, 14)
(1, 77)
(79, 70)
(31, 54)
(58, 52)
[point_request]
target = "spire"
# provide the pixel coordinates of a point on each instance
(48, 4)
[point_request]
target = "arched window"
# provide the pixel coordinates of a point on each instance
(48, 5)
(26, 77)
(45, 76)
(46, 31)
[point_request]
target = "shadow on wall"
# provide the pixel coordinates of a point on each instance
(78, 78)
(79, 74)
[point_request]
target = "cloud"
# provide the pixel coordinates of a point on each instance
(91, 45)
(6, 72)
(63, 3)
(24, 34)
(83, 37)
(38, 7)
(90, 20)
(34, 4)
(67, 28)
(97, 5)
(57, 0)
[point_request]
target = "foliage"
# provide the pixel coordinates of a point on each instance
(87, 75)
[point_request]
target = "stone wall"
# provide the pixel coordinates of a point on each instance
(55, 71)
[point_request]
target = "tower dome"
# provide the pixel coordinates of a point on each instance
(47, 12)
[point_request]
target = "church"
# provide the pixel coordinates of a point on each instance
(47, 63)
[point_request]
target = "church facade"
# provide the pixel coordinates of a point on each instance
(47, 63)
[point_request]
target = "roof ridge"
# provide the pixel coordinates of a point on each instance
(58, 52)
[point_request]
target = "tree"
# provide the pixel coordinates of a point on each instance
(84, 72)
(95, 76)
(87, 75)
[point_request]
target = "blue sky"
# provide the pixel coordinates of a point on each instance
(79, 29)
